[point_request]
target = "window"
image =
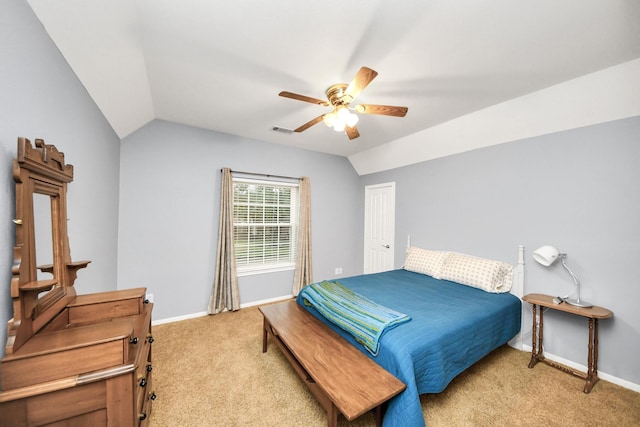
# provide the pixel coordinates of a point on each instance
(265, 218)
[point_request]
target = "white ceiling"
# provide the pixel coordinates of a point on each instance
(220, 64)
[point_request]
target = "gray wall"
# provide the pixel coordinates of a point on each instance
(40, 97)
(169, 203)
(578, 190)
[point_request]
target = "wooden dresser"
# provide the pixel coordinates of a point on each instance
(70, 360)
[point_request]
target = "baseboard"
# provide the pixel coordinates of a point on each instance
(179, 318)
(602, 375)
(266, 301)
(204, 313)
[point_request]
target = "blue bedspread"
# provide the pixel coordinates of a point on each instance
(452, 327)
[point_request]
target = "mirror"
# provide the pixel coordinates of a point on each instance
(43, 231)
(43, 273)
(47, 255)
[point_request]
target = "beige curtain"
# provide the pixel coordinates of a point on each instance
(225, 294)
(303, 274)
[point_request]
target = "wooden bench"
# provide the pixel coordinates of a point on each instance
(343, 379)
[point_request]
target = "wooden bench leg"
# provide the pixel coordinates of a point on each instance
(265, 334)
(332, 416)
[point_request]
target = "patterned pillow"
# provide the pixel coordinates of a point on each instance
(425, 261)
(489, 275)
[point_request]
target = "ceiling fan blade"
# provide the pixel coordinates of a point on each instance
(360, 81)
(383, 110)
(352, 132)
(309, 124)
(303, 98)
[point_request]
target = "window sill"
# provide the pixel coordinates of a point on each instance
(265, 270)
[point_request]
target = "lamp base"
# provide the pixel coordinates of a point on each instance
(577, 303)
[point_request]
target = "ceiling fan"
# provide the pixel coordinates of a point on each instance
(340, 97)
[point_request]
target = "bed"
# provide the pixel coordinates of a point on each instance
(452, 325)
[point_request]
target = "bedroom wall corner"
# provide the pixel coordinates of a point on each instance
(517, 289)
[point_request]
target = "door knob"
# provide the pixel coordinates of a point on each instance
(386, 246)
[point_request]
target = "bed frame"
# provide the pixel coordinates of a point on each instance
(342, 378)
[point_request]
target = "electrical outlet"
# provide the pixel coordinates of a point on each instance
(150, 297)
(338, 270)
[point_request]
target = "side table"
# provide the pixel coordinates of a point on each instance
(594, 314)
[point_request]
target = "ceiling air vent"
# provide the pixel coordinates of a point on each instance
(282, 130)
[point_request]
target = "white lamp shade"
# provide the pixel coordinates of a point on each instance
(339, 125)
(329, 119)
(546, 255)
(352, 120)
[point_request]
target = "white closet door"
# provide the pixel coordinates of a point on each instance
(379, 227)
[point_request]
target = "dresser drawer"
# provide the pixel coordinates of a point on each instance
(143, 378)
(145, 414)
(76, 404)
(105, 306)
(74, 351)
(145, 401)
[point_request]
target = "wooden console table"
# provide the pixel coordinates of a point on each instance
(592, 313)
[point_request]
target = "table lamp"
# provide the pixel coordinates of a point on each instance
(547, 255)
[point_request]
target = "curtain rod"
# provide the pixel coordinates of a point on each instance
(263, 174)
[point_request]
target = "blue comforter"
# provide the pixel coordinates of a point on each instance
(452, 327)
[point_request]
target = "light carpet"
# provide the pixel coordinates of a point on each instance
(210, 371)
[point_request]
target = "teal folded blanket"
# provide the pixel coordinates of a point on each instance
(361, 317)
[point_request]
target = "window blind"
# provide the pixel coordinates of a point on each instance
(265, 224)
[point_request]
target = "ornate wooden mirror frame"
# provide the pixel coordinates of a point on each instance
(40, 290)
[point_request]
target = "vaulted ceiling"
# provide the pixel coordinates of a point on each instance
(220, 64)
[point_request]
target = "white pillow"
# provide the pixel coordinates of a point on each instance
(425, 261)
(486, 274)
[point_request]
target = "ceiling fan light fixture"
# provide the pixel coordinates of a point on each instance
(330, 119)
(340, 118)
(352, 120)
(342, 112)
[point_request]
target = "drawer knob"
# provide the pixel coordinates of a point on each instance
(143, 416)
(150, 338)
(146, 301)
(143, 382)
(133, 340)
(149, 368)
(153, 396)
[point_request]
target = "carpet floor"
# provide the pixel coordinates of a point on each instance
(210, 371)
